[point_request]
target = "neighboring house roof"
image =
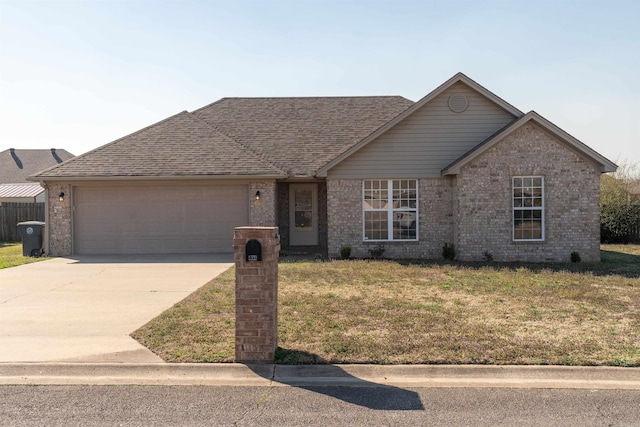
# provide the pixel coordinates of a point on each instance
(270, 137)
(29, 189)
(605, 164)
(16, 164)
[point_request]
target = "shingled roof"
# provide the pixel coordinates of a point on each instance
(300, 135)
(180, 145)
(16, 164)
(267, 137)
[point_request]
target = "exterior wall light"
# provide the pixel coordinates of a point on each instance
(61, 196)
(258, 195)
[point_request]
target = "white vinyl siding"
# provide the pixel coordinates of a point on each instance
(428, 140)
(528, 208)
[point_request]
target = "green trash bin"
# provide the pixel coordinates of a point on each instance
(31, 232)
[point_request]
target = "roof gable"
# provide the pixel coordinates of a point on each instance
(605, 164)
(16, 164)
(428, 140)
(458, 78)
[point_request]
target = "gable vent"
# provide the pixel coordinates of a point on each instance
(458, 103)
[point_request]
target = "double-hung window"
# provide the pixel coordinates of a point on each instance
(390, 209)
(528, 208)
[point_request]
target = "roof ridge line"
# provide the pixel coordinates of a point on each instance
(208, 105)
(306, 97)
(244, 147)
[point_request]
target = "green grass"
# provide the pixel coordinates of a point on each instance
(391, 312)
(11, 255)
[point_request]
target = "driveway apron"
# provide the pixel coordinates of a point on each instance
(83, 308)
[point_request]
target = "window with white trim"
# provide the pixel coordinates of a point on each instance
(528, 208)
(390, 209)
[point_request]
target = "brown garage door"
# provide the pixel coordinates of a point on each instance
(158, 219)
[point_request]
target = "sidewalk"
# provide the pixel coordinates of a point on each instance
(409, 376)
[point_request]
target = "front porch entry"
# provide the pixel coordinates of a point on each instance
(303, 214)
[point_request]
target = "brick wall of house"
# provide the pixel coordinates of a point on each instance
(263, 212)
(283, 213)
(435, 224)
(58, 228)
(473, 210)
(484, 211)
(322, 218)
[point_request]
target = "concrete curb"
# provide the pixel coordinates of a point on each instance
(233, 374)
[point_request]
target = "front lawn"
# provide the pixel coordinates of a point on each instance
(431, 312)
(11, 255)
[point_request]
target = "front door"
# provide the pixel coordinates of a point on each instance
(303, 214)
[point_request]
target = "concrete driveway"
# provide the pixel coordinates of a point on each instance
(83, 308)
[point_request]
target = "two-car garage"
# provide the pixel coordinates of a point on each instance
(154, 218)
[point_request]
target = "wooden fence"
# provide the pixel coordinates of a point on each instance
(13, 213)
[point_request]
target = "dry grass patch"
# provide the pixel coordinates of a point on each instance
(11, 255)
(390, 312)
(200, 328)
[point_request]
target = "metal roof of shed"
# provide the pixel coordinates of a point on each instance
(20, 190)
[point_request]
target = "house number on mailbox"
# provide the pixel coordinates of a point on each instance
(253, 250)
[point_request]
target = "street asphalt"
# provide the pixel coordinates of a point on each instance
(325, 406)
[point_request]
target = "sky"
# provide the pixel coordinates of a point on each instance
(79, 74)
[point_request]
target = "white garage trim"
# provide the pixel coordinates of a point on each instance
(188, 218)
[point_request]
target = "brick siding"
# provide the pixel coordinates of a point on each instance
(58, 228)
(572, 218)
(263, 212)
(474, 209)
(344, 204)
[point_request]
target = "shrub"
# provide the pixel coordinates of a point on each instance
(487, 256)
(620, 204)
(448, 251)
(575, 256)
(345, 252)
(377, 251)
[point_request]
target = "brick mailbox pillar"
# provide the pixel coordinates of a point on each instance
(256, 252)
